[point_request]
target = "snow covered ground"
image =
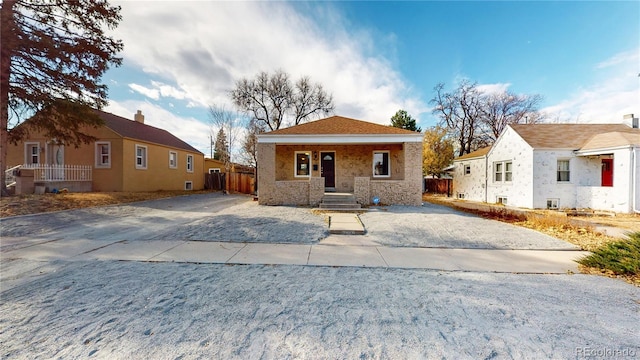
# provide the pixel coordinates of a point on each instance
(125, 309)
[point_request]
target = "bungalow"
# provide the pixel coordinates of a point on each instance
(297, 165)
(553, 166)
(127, 156)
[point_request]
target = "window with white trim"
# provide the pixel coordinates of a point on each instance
(189, 163)
(141, 157)
(502, 171)
(214, 170)
(564, 172)
(467, 169)
(381, 164)
(302, 163)
(32, 153)
(188, 185)
(497, 172)
(173, 159)
(103, 154)
(500, 199)
(552, 204)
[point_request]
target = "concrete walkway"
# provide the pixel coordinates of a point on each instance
(345, 224)
(336, 250)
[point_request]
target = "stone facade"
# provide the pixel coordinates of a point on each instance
(278, 185)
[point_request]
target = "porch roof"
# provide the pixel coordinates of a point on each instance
(606, 142)
(339, 130)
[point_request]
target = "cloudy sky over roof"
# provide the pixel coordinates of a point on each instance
(376, 57)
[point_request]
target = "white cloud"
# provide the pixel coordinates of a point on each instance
(607, 100)
(150, 93)
(188, 129)
(497, 88)
(195, 51)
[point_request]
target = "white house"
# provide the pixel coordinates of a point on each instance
(571, 166)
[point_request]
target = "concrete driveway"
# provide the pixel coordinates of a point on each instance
(166, 279)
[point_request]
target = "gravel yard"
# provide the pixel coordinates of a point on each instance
(108, 309)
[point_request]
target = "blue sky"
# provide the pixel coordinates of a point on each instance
(377, 57)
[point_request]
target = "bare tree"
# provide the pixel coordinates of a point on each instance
(476, 119)
(227, 120)
(271, 99)
(309, 99)
(249, 152)
(459, 112)
(504, 108)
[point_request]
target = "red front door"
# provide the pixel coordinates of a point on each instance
(607, 172)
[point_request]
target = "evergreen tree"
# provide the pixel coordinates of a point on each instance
(52, 57)
(403, 120)
(221, 149)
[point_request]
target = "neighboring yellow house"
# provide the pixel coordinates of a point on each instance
(127, 156)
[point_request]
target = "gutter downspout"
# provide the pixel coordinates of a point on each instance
(486, 177)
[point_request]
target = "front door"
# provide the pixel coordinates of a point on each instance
(328, 168)
(607, 172)
(55, 158)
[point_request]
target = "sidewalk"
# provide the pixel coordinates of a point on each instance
(336, 250)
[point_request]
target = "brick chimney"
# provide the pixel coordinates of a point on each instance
(138, 117)
(631, 121)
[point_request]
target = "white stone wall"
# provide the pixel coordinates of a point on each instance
(511, 147)
(472, 185)
(545, 184)
(616, 198)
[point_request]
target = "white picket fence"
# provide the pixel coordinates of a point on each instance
(49, 173)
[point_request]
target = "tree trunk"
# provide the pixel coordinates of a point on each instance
(7, 30)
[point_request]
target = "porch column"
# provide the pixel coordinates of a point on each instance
(266, 173)
(413, 171)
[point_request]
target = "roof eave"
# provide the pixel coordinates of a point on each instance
(339, 138)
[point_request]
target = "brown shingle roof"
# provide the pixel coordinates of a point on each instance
(135, 130)
(480, 152)
(339, 125)
(565, 136)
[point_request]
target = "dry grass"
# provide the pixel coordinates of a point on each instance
(32, 204)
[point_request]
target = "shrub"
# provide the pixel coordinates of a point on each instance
(620, 257)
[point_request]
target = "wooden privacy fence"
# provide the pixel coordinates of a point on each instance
(238, 182)
(439, 186)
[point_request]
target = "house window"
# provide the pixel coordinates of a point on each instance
(467, 169)
(188, 185)
(501, 200)
(563, 171)
(507, 170)
(103, 154)
(552, 204)
(141, 157)
(381, 166)
(32, 153)
(303, 162)
(173, 159)
(497, 172)
(502, 171)
(460, 195)
(189, 163)
(214, 170)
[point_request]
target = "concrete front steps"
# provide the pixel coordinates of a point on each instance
(339, 202)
